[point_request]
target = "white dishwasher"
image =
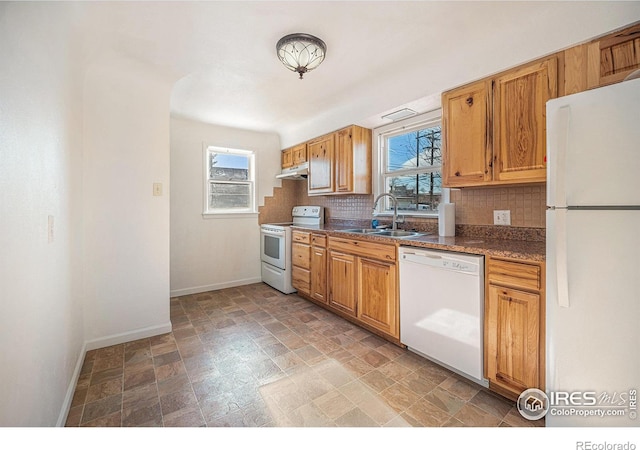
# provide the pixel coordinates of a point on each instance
(441, 308)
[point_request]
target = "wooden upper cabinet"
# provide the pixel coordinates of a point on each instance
(520, 98)
(299, 154)
(320, 178)
(466, 125)
(495, 129)
(340, 163)
(344, 160)
(353, 160)
(612, 58)
(607, 60)
(287, 158)
(294, 156)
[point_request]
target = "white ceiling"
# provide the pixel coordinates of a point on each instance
(380, 55)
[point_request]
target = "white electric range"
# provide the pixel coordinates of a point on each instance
(275, 246)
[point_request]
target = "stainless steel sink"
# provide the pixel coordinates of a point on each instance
(362, 230)
(399, 233)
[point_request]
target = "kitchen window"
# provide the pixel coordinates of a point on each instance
(409, 165)
(229, 181)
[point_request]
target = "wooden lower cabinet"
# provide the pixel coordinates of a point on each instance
(377, 300)
(319, 273)
(342, 282)
(363, 283)
(301, 261)
(358, 279)
(514, 326)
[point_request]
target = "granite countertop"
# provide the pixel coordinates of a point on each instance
(488, 246)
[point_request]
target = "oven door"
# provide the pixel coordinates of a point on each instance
(273, 246)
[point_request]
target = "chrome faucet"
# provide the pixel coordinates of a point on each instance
(395, 207)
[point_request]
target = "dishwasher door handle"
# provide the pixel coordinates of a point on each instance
(443, 262)
(422, 255)
(424, 259)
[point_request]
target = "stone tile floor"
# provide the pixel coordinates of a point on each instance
(254, 357)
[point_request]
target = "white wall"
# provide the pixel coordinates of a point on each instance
(126, 232)
(41, 335)
(208, 254)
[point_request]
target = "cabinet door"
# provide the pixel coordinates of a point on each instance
(344, 161)
(342, 282)
(520, 98)
(299, 154)
(320, 176)
(377, 287)
(614, 57)
(512, 338)
(319, 273)
(466, 126)
(287, 158)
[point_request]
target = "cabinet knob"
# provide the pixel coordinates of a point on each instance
(470, 101)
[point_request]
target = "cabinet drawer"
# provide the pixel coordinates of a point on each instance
(301, 236)
(513, 273)
(301, 279)
(384, 252)
(319, 240)
(301, 255)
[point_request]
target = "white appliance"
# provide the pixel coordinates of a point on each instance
(275, 246)
(295, 173)
(593, 251)
(441, 308)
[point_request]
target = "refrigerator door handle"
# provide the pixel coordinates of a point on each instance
(562, 277)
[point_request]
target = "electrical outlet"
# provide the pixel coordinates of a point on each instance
(502, 217)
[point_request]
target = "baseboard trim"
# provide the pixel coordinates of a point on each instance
(214, 287)
(68, 398)
(120, 338)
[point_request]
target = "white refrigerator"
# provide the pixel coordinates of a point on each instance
(593, 257)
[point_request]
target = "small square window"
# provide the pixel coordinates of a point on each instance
(230, 184)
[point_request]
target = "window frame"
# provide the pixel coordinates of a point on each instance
(250, 211)
(380, 136)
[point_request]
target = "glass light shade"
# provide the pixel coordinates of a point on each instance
(301, 52)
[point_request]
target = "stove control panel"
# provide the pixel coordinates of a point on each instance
(308, 211)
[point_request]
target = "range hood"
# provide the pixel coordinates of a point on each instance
(295, 173)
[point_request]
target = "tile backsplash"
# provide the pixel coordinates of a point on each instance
(473, 206)
(526, 203)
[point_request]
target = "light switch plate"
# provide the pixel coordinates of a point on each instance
(502, 217)
(157, 189)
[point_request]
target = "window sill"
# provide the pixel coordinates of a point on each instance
(230, 215)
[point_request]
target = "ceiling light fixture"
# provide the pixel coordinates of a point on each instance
(301, 52)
